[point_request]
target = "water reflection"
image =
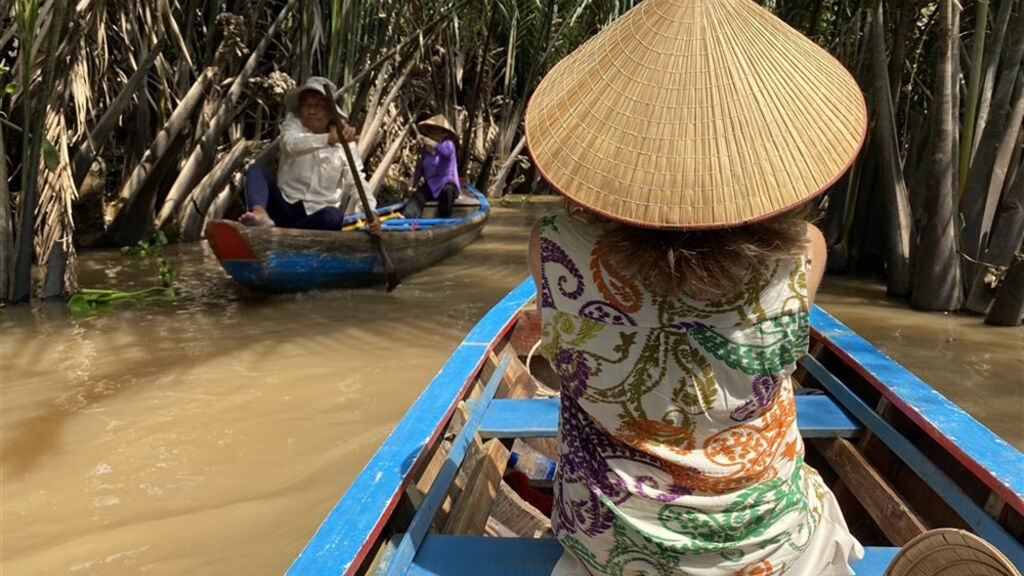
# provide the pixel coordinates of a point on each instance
(212, 435)
(979, 367)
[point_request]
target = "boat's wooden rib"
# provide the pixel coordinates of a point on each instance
(431, 501)
(897, 521)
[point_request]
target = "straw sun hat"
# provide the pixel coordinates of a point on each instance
(437, 121)
(317, 84)
(689, 114)
(949, 552)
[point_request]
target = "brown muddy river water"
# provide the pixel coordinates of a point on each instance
(211, 436)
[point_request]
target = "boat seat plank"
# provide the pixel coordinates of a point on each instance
(445, 555)
(817, 417)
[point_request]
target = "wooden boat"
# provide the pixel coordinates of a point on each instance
(901, 459)
(291, 260)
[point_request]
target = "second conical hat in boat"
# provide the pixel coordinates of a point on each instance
(437, 121)
(949, 552)
(690, 114)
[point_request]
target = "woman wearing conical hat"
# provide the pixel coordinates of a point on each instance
(437, 171)
(675, 289)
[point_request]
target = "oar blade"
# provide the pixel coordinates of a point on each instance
(392, 281)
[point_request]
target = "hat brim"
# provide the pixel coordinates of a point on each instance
(429, 124)
(717, 115)
(292, 100)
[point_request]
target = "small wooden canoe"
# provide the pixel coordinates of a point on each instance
(433, 500)
(291, 260)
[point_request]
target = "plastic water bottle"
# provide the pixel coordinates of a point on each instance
(535, 465)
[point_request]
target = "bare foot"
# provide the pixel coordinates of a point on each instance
(257, 218)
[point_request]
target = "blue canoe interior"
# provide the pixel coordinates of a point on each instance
(293, 260)
(900, 458)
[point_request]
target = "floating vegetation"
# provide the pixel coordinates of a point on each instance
(147, 248)
(89, 301)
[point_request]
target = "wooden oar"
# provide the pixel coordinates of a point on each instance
(391, 279)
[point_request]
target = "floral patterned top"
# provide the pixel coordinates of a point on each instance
(679, 450)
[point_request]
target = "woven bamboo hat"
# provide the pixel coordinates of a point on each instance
(437, 121)
(317, 84)
(689, 114)
(949, 552)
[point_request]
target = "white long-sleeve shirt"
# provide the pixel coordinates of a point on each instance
(317, 174)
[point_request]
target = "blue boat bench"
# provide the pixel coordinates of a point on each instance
(445, 555)
(818, 416)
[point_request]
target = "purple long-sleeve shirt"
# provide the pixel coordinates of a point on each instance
(438, 168)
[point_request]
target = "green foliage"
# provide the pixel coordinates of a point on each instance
(147, 248)
(8, 88)
(516, 199)
(51, 159)
(89, 301)
(5, 91)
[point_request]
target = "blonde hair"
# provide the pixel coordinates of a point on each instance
(707, 264)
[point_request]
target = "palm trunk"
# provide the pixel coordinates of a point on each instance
(497, 185)
(385, 164)
(1007, 234)
(53, 275)
(835, 212)
(371, 137)
(863, 199)
(474, 98)
(223, 201)
(1002, 163)
(56, 225)
(110, 119)
(6, 225)
(991, 65)
(976, 201)
(35, 107)
(898, 219)
(139, 190)
(208, 189)
(374, 94)
(172, 27)
(1008, 307)
(897, 62)
(936, 284)
(973, 87)
(201, 159)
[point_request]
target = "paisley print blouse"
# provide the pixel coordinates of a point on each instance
(679, 450)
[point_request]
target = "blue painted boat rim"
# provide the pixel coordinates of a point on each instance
(395, 207)
(347, 534)
(991, 458)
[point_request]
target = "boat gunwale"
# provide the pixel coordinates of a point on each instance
(332, 548)
(258, 237)
(924, 406)
(338, 551)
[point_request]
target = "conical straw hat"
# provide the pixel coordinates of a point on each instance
(692, 114)
(949, 552)
(437, 121)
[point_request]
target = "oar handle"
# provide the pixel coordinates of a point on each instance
(391, 279)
